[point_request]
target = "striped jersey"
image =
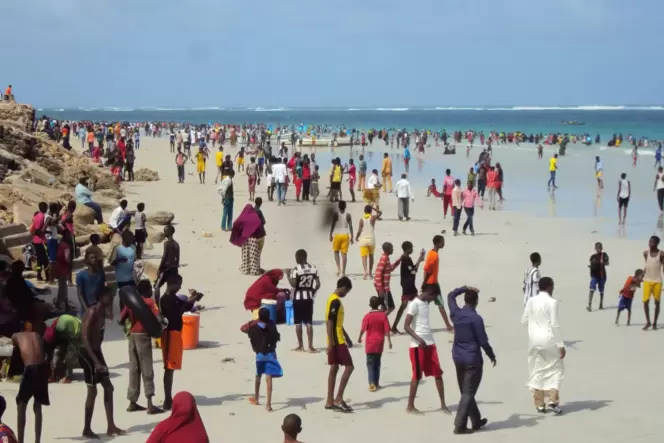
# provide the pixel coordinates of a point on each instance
(305, 278)
(531, 280)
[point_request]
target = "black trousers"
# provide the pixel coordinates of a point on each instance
(306, 186)
(469, 379)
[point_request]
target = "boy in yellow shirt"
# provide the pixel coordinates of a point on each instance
(219, 160)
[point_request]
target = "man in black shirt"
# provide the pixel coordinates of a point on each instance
(172, 308)
(226, 167)
(598, 263)
(408, 272)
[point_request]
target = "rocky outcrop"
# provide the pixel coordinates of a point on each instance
(162, 218)
(18, 116)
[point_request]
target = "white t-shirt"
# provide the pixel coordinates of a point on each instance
(420, 311)
(660, 181)
(117, 216)
(279, 173)
(372, 181)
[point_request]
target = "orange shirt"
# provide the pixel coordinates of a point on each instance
(491, 178)
(91, 137)
(431, 266)
(8, 91)
(627, 291)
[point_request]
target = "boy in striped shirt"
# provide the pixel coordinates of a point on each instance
(531, 277)
(382, 277)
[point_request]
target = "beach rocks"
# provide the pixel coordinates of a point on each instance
(146, 175)
(162, 218)
(19, 116)
(155, 236)
(84, 215)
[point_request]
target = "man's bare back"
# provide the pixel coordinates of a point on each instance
(31, 347)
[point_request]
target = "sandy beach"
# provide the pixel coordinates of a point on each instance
(611, 376)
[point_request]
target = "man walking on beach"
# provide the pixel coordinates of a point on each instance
(337, 349)
(469, 340)
(652, 280)
(405, 196)
(624, 192)
(431, 265)
(553, 168)
(386, 172)
(341, 236)
(547, 350)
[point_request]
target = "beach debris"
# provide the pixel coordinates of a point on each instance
(228, 360)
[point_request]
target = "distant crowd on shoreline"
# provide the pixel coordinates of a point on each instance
(256, 133)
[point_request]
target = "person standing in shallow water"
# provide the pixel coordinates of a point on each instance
(652, 280)
(624, 192)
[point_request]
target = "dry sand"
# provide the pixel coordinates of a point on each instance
(612, 377)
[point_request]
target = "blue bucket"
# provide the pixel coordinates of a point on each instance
(270, 305)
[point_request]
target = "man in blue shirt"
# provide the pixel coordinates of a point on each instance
(123, 258)
(90, 282)
(469, 339)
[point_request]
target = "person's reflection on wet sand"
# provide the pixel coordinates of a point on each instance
(552, 202)
(597, 205)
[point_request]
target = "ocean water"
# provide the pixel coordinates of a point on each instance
(525, 187)
(639, 121)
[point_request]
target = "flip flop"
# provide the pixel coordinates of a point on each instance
(334, 408)
(345, 408)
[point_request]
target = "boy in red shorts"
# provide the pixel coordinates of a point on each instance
(423, 353)
(337, 349)
(627, 295)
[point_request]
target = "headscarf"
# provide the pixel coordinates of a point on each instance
(263, 288)
(245, 226)
(184, 424)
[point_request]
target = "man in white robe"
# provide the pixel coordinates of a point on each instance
(546, 348)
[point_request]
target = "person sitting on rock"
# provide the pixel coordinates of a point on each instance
(84, 197)
(120, 218)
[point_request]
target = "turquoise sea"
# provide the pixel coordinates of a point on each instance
(639, 121)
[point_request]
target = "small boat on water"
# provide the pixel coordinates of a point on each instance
(573, 123)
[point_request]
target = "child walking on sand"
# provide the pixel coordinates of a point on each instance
(140, 234)
(627, 295)
(376, 326)
(264, 336)
(383, 276)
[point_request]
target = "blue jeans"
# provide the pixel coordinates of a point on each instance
(95, 207)
(457, 217)
(552, 179)
(227, 215)
(373, 368)
(469, 221)
(281, 192)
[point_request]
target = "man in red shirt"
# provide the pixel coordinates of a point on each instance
(38, 231)
(376, 326)
(140, 354)
(382, 277)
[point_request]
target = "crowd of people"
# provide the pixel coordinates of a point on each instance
(50, 338)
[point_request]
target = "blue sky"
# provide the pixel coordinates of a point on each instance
(68, 53)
